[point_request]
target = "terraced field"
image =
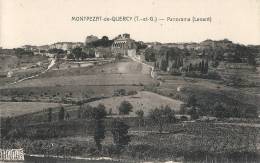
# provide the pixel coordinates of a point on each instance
(20, 108)
(79, 83)
(122, 73)
(142, 101)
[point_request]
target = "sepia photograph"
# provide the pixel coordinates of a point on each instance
(130, 81)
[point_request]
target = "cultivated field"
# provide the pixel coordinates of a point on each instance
(7, 62)
(20, 67)
(142, 101)
(97, 79)
(124, 66)
(81, 83)
(20, 108)
(206, 91)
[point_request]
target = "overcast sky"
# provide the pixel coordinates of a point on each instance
(39, 22)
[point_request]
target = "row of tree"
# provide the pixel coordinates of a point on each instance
(81, 53)
(103, 42)
(218, 109)
(97, 115)
(62, 115)
(202, 67)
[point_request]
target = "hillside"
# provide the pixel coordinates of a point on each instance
(145, 101)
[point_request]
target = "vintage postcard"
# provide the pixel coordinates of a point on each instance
(106, 81)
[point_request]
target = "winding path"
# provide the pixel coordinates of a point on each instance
(151, 67)
(52, 63)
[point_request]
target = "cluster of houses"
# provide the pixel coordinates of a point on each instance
(122, 45)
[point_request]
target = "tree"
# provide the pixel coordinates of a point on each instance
(190, 68)
(140, 116)
(169, 114)
(219, 110)
(110, 112)
(77, 52)
(162, 116)
(140, 113)
(70, 56)
(67, 116)
(251, 112)
(193, 112)
(149, 55)
(120, 134)
(104, 38)
(200, 66)
(202, 70)
(191, 101)
(98, 114)
(49, 114)
(80, 112)
(206, 67)
(125, 107)
(19, 52)
(61, 114)
(99, 133)
(88, 52)
(8, 125)
(87, 111)
(104, 42)
(56, 51)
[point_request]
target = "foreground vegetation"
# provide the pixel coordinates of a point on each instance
(161, 135)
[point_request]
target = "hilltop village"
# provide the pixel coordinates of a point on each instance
(179, 55)
(191, 59)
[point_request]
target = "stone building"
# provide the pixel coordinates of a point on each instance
(29, 47)
(124, 45)
(66, 45)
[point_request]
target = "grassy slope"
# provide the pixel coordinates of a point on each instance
(19, 108)
(206, 91)
(100, 80)
(7, 62)
(143, 100)
(80, 83)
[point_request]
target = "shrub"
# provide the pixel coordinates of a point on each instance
(162, 116)
(99, 133)
(120, 92)
(125, 107)
(120, 134)
(193, 112)
(132, 93)
(96, 113)
(140, 115)
(61, 114)
(49, 114)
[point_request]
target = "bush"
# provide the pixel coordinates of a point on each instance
(140, 116)
(120, 92)
(96, 113)
(193, 112)
(61, 114)
(220, 110)
(120, 134)
(162, 116)
(99, 133)
(132, 93)
(210, 75)
(125, 107)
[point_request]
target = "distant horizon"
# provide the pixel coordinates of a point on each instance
(135, 40)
